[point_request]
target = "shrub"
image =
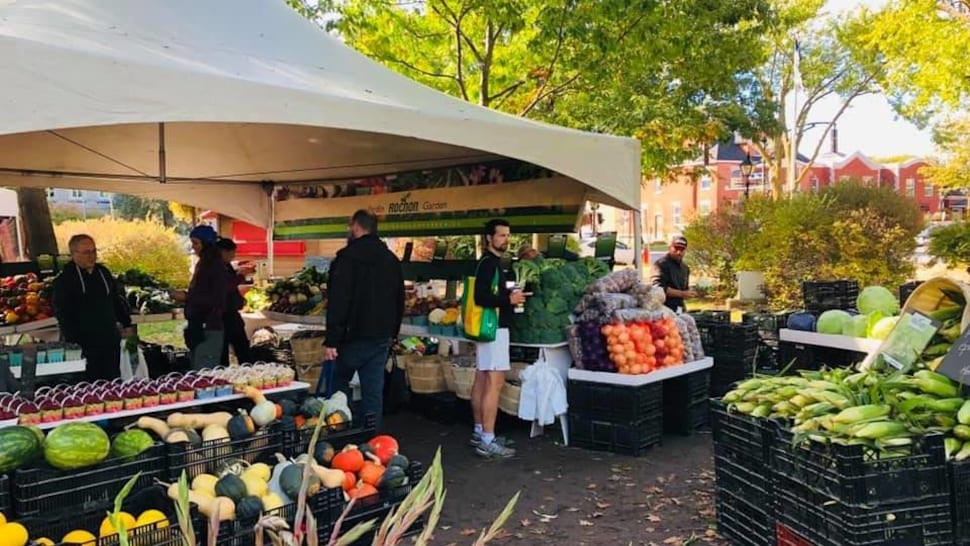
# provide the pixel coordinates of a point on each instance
(138, 244)
(950, 244)
(849, 231)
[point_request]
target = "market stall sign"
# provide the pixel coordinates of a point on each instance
(956, 363)
(551, 205)
(907, 340)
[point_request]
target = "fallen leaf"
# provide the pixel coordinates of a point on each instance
(711, 533)
(673, 540)
(654, 490)
(591, 486)
(649, 530)
(467, 532)
(585, 523)
(596, 515)
(602, 505)
(654, 518)
(675, 500)
(525, 523)
(572, 509)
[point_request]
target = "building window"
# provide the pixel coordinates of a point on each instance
(77, 194)
(658, 226)
(927, 190)
(705, 182)
(814, 183)
(704, 207)
(658, 186)
(867, 180)
(911, 187)
(50, 194)
(675, 209)
(844, 178)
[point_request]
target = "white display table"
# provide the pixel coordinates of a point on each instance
(641, 379)
(845, 343)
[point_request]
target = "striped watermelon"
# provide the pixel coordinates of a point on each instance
(131, 443)
(76, 445)
(18, 446)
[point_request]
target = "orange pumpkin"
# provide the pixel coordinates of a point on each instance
(371, 473)
(350, 481)
(365, 490)
(349, 460)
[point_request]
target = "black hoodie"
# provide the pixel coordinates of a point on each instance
(366, 293)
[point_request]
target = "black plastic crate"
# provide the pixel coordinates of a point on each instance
(687, 389)
(711, 316)
(442, 407)
(686, 420)
(742, 476)
(923, 521)
(735, 337)
(210, 455)
(330, 504)
(906, 289)
(768, 325)
(959, 474)
(297, 442)
(726, 372)
(632, 438)
(857, 475)
(6, 502)
(820, 296)
(47, 490)
(241, 532)
(614, 403)
(741, 434)
(56, 527)
(743, 522)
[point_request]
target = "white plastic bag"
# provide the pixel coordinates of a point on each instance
(128, 372)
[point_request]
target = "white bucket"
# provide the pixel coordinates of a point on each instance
(751, 285)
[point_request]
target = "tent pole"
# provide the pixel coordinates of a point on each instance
(270, 250)
(638, 240)
(162, 177)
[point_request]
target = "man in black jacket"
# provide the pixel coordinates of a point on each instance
(492, 291)
(89, 306)
(364, 311)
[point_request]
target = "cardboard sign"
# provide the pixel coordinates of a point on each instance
(956, 363)
(908, 339)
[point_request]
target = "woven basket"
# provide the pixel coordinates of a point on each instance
(464, 379)
(508, 400)
(448, 369)
(307, 350)
(426, 375)
(516, 369)
(931, 294)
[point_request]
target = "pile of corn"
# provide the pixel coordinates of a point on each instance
(883, 410)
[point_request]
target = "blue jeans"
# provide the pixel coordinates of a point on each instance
(367, 357)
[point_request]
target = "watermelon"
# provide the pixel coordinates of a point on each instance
(131, 443)
(19, 445)
(76, 445)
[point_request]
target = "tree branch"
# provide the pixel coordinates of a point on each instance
(554, 91)
(503, 94)
(410, 66)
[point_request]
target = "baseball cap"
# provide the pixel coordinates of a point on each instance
(679, 241)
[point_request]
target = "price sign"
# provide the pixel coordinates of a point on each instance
(956, 363)
(908, 339)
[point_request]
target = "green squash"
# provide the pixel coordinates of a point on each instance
(291, 479)
(231, 486)
(287, 423)
(311, 407)
(241, 426)
(289, 407)
(399, 461)
(394, 476)
(249, 508)
(182, 435)
(324, 453)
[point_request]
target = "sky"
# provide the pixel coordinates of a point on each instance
(869, 125)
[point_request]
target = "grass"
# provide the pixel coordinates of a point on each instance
(163, 333)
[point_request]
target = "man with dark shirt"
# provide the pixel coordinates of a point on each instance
(491, 291)
(232, 322)
(364, 311)
(89, 306)
(673, 275)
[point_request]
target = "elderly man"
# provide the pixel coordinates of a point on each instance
(89, 306)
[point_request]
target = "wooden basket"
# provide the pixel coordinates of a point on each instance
(931, 294)
(308, 350)
(508, 400)
(464, 379)
(426, 375)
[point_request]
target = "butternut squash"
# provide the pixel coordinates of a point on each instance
(199, 420)
(264, 411)
(331, 478)
(207, 505)
(159, 427)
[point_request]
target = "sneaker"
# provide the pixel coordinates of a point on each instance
(494, 450)
(476, 439)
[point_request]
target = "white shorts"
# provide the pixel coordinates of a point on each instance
(494, 355)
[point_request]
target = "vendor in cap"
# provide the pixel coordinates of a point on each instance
(205, 300)
(673, 275)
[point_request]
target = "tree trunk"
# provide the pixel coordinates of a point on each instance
(35, 214)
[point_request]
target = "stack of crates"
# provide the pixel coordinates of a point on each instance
(905, 290)
(621, 419)
(735, 354)
(686, 402)
(821, 296)
(769, 327)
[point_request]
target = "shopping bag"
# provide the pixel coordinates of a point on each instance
(478, 323)
(130, 369)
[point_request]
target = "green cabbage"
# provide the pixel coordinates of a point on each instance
(832, 322)
(856, 326)
(877, 298)
(883, 327)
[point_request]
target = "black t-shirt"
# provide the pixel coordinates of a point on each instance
(668, 273)
(485, 274)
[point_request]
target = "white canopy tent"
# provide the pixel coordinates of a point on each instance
(211, 103)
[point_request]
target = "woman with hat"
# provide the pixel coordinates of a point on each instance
(205, 301)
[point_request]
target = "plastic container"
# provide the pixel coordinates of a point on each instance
(959, 474)
(821, 296)
(55, 355)
(743, 522)
(614, 403)
(768, 325)
(630, 438)
(742, 434)
(206, 458)
(786, 537)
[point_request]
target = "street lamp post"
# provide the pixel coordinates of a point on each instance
(747, 167)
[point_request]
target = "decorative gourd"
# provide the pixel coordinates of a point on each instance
(208, 506)
(131, 443)
(338, 420)
(371, 473)
(393, 476)
(264, 411)
(205, 483)
(272, 501)
(274, 480)
(289, 407)
(18, 446)
(231, 486)
(350, 481)
(182, 435)
(249, 508)
(312, 407)
(384, 446)
(399, 461)
(324, 452)
(259, 470)
(241, 426)
(349, 460)
(362, 491)
(330, 478)
(255, 487)
(198, 420)
(213, 433)
(159, 427)
(287, 423)
(291, 479)
(231, 466)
